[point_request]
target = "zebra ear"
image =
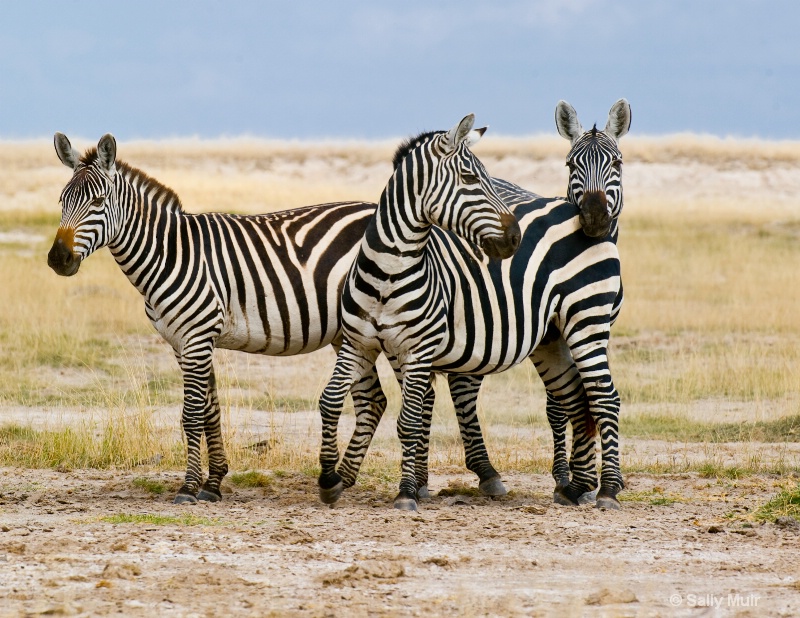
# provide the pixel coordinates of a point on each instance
(619, 119)
(567, 122)
(107, 154)
(459, 133)
(474, 136)
(66, 153)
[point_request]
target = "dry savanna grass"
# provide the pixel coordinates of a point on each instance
(705, 354)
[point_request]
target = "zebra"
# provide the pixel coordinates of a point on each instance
(398, 294)
(553, 302)
(265, 284)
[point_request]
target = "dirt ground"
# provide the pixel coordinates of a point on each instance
(278, 551)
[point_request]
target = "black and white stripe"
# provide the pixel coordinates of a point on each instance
(553, 302)
(266, 284)
(398, 296)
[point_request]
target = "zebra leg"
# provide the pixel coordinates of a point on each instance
(566, 401)
(351, 366)
(416, 382)
(423, 446)
(217, 461)
(601, 413)
(196, 365)
(464, 391)
(370, 403)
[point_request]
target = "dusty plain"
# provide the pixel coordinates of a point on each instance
(705, 356)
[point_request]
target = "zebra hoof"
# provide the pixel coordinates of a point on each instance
(607, 499)
(331, 494)
(405, 503)
(563, 500)
(568, 496)
(206, 495)
(588, 498)
(609, 503)
(423, 493)
(182, 498)
(492, 487)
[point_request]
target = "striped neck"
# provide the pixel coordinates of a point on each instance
(399, 232)
(146, 233)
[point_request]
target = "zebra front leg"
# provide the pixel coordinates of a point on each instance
(217, 460)
(196, 365)
(370, 403)
(601, 413)
(423, 446)
(566, 401)
(464, 391)
(416, 381)
(351, 366)
(608, 426)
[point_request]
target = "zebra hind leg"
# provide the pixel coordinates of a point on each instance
(217, 461)
(464, 391)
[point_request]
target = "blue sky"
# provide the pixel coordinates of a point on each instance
(360, 69)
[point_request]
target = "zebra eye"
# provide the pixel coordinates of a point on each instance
(98, 200)
(616, 163)
(571, 165)
(470, 179)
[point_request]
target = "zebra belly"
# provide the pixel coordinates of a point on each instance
(475, 359)
(282, 339)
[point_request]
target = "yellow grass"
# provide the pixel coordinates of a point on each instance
(710, 333)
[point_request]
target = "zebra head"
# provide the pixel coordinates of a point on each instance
(89, 212)
(595, 166)
(457, 193)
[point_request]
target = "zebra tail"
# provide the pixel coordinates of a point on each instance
(588, 420)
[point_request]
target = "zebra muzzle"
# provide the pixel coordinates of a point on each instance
(62, 260)
(594, 216)
(502, 247)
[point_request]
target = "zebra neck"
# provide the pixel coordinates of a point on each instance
(148, 231)
(614, 234)
(397, 237)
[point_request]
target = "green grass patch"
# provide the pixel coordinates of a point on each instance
(656, 497)
(277, 404)
(785, 429)
(712, 469)
(679, 429)
(160, 520)
(251, 478)
(150, 485)
(785, 504)
(123, 441)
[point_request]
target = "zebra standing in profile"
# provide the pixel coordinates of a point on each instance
(553, 302)
(398, 294)
(266, 284)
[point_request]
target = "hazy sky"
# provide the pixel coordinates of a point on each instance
(149, 69)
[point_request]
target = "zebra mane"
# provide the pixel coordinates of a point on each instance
(138, 177)
(409, 144)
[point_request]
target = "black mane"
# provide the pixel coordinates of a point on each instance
(409, 144)
(161, 190)
(89, 157)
